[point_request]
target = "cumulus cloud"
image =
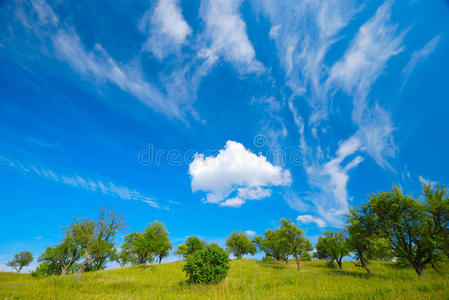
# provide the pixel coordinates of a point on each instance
(235, 171)
(225, 36)
(167, 28)
(307, 219)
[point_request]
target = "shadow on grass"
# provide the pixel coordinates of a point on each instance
(355, 274)
(272, 264)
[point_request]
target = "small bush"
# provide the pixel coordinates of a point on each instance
(209, 265)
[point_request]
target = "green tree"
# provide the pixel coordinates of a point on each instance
(437, 206)
(361, 235)
(157, 238)
(96, 238)
(239, 244)
(333, 247)
(192, 245)
(407, 225)
(273, 245)
(292, 238)
(138, 247)
(20, 260)
(125, 255)
(208, 265)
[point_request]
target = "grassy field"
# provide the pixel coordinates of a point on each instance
(247, 279)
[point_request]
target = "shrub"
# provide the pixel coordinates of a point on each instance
(209, 265)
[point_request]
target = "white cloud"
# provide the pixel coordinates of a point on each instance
(98, 65)
(45, 13)
(427, 181)
(375, 43)
(233, 202)
(418, 57)
(225, 36)
(331, 178)
(235, 170)
(250, 233)
(167, 29)
(107, 188)
(307, 219)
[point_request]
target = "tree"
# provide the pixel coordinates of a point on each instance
(292, 237)
(125, 255)
(138, 247)
(361, 235)
(437, 205)
(96, 238)
(332, 246)
(408, 226)
(272, 245)
(192, 245)
(182, 250)
(239, 244)
(208, 265)
(158, 241)
(20, 260)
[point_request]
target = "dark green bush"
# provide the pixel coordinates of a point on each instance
(209, 265)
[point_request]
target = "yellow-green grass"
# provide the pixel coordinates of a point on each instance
(247, 279)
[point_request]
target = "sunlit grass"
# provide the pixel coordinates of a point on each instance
(247, 279)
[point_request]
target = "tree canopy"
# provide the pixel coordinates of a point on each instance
(20, 260)
(239, 244)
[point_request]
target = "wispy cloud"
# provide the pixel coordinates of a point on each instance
(225, 36)
(302, 51)
(418, 57)
(375, 43)
(307, 219)
(106, 188)
(98, 65)
(166, 27)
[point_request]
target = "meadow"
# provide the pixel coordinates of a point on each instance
(247, 279)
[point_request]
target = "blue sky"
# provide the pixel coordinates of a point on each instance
(215, 116)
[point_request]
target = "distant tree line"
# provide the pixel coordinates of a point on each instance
(390, 226)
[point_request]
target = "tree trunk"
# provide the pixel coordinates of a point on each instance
(298, 262)
(80, 271)
(160, 259)
(365, 265)
(419, 269)
(339, 264)
(63, 271)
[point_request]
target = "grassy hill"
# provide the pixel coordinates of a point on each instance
(247, 279)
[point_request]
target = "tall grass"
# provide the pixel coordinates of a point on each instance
(247, 279)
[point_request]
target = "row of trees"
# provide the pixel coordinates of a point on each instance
(389, 226)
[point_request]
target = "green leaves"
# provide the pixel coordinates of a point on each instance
(332, 246)
(20, 260)
(208, 265)
(239, 244)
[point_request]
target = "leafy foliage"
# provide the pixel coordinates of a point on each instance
(333, 247)
(20, 260)
(208, 265)
(406, 224)
(192, 245)
(239, 244)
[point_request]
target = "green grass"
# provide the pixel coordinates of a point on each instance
(247, 279)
